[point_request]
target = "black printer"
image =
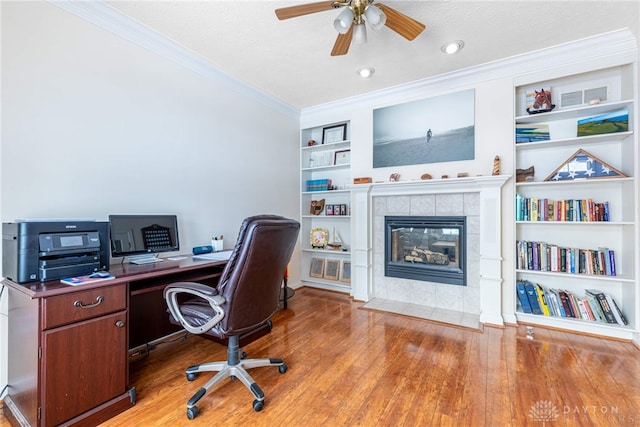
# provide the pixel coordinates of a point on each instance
(53, 249)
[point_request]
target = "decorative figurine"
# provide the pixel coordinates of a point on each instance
(541, 102)
(395, 177)
(425, 176)
(311, 143)
(496, 166)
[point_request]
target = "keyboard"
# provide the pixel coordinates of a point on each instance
(149, 260)
(214, 256)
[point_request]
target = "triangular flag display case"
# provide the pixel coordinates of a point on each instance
(583, 165)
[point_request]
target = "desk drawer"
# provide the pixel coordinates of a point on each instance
(76, 306)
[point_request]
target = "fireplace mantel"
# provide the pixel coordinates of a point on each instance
(364, 229)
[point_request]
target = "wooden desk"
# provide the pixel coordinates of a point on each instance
(68, 345)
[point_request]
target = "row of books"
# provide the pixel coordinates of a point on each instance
(541, 256)
(596, 305)
(573, 210)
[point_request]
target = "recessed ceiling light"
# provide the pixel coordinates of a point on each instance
(365, 73)
(452, 47)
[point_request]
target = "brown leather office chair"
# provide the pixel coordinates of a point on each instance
(244, 300)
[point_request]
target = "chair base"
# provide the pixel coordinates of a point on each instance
(234, 367)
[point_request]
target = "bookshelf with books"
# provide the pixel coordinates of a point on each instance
(325, 206)
(575, 200)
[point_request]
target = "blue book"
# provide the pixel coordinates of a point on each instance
(558, 303)
(532, 295)
(523, 298)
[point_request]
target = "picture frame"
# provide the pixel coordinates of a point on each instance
(319, 237)
(332, 269)
(346, 272)
(317, 267)
(342, 157)
(333, 134)
(425, 131)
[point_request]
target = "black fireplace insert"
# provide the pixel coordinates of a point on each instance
(427, 248)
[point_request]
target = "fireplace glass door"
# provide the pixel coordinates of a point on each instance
(426, 248)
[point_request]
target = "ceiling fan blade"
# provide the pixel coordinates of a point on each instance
(407, 27)
(341, 46)
(303, 9)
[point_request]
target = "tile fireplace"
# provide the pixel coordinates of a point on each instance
(477, 200)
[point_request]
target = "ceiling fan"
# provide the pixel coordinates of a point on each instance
(350, 22)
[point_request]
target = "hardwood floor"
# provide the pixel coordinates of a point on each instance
(350, 366)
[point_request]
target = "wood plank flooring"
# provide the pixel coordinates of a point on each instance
(354, 367)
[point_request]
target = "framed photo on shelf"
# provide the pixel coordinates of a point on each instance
(332, 270)
(317, 267)
(342, 157)
(319, 237)
(346, 272)
(333, 134)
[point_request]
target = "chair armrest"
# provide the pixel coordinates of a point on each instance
(205, 292)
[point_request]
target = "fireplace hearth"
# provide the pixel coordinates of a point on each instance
(427, 248)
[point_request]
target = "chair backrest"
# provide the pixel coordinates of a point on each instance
(252, 279)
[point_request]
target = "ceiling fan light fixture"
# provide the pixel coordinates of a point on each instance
(366, 72)
(344, 21)
(452, 47)
(359, 34)
(375, 17)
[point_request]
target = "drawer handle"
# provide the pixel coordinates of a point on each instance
(95, 304)
(119, 324)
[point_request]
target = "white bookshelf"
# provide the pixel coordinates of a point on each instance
(617, 149)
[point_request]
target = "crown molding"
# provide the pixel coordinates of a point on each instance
(601, 51)
(101, 14)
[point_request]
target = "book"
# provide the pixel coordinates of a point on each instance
(83, 280)
(617, 313)
(532, 294)
(523, 298)
(604, 304)
(555, 295)
(542, 300)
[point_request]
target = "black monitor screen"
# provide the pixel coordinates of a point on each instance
(140, 234)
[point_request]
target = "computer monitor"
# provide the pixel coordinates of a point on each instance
(141, 237)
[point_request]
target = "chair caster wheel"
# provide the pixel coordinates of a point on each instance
(192, 412)
(191, 376)
(243, 355)
(258, 405)
(282, 368)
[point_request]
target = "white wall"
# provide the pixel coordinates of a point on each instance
(93, 124)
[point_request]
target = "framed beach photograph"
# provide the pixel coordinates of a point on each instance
(432, 130)
(333, 134)
(346, 272)
(332, 269)
(317, 267)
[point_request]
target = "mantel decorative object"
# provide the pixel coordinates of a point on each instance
(496, 166)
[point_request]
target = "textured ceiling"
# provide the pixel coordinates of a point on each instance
(291, 60)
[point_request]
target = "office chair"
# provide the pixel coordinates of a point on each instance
(243, 301)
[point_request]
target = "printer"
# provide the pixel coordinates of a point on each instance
(53, 249)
